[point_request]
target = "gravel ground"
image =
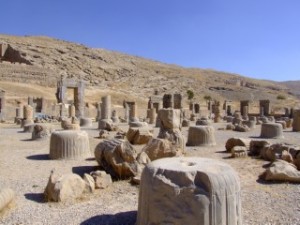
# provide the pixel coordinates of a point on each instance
(25, 167)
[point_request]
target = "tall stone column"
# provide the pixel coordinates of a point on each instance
(71, 111)
(106, 107)
(133, 112)
(152, 115)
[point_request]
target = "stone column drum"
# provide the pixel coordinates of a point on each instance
(152, 115)
(189, 191)
(28, 112)
(271, 130)
(201, 136)
(69, 144)
(106, 107)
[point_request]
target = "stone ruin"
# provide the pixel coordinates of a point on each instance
(264, 107)
(131, 114)
(172, 101)
(9, 54)
(189, 191)
(78, 86)
(2, 105)
(227, 107)
(38, 104)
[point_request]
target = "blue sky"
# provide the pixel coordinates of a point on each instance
(255, 38)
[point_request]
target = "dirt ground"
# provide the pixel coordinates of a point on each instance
(25, 168)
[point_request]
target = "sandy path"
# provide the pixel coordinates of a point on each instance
(25, 167)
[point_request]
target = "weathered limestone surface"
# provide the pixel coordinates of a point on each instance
(64, 188)
(281, 170)
(271, 130)
(101, 178)
(232, 142)
(189, 191)
(69, 144)
(201, 136)
(117, 157)
(41, 131)
(7, 195)
(139, 136)
(256, 146)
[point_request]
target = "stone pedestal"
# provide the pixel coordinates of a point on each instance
(201, 136)
(271, 130)
(69, 144)
(189, 191)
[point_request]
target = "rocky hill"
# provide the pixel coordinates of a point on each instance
(40, 61)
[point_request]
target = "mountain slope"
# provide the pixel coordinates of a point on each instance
(49, 58)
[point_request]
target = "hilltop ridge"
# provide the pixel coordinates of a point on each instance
(45, 59)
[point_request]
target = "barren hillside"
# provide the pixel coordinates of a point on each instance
(40, 61)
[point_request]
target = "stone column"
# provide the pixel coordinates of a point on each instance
(168, 101)
(245, 111)
(133, 112)
(106, 107)
(28, 112)
(72, 111)
(98, 111)
(262, 111)
(115, 117)
(152, 115)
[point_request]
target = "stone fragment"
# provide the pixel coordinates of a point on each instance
(281, 170)
(7, 196)
(232, 142)
(139, 136)
(256, 146)
(64, 188)
(117, 157)
(41, 131)
(239, 152)
(101, 178)
(89, 183)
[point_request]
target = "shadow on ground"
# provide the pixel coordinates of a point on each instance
(80, 170)
(36, 197)
(123, 218)
(39, 157)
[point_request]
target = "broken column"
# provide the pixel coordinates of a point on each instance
(244, 108)
(71, 111)
(106, 107)
(151, 115)
(133, 117)
(168, 101)
(189, 191)
(105, 121)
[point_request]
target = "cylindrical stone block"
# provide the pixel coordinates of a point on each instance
(86, 122)
(296, 120)
(152, 115)
(69, 144)
(72, 111)
(189, 191)
(28, 112)
(133, 112)
(106, 107)
(201, 136)
(271, 130)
